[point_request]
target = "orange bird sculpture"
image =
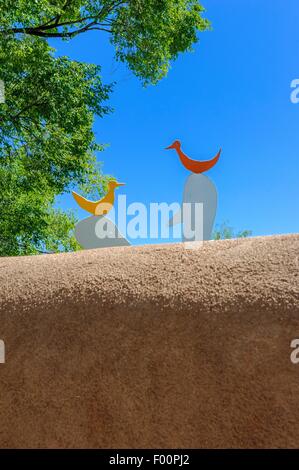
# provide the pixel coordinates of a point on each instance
(193, 165)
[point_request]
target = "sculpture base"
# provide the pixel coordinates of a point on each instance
(99, 232)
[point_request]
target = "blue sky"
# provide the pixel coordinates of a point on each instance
(232, 92)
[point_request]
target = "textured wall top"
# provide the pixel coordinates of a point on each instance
(154, 346)
(263, 269)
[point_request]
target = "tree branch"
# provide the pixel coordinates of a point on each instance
(44, 30)
(66, 34)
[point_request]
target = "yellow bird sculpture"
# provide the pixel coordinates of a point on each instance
(101, 207)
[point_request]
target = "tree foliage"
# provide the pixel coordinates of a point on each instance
(147, 35)
(225, 231)
(47, 144)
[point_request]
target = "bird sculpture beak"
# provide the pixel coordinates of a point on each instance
(121, 184)
(170, 147)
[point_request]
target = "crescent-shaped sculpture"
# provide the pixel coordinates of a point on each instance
(101, 207)
(193, 165)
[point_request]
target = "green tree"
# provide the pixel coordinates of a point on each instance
(47, 144)
(224, 231)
